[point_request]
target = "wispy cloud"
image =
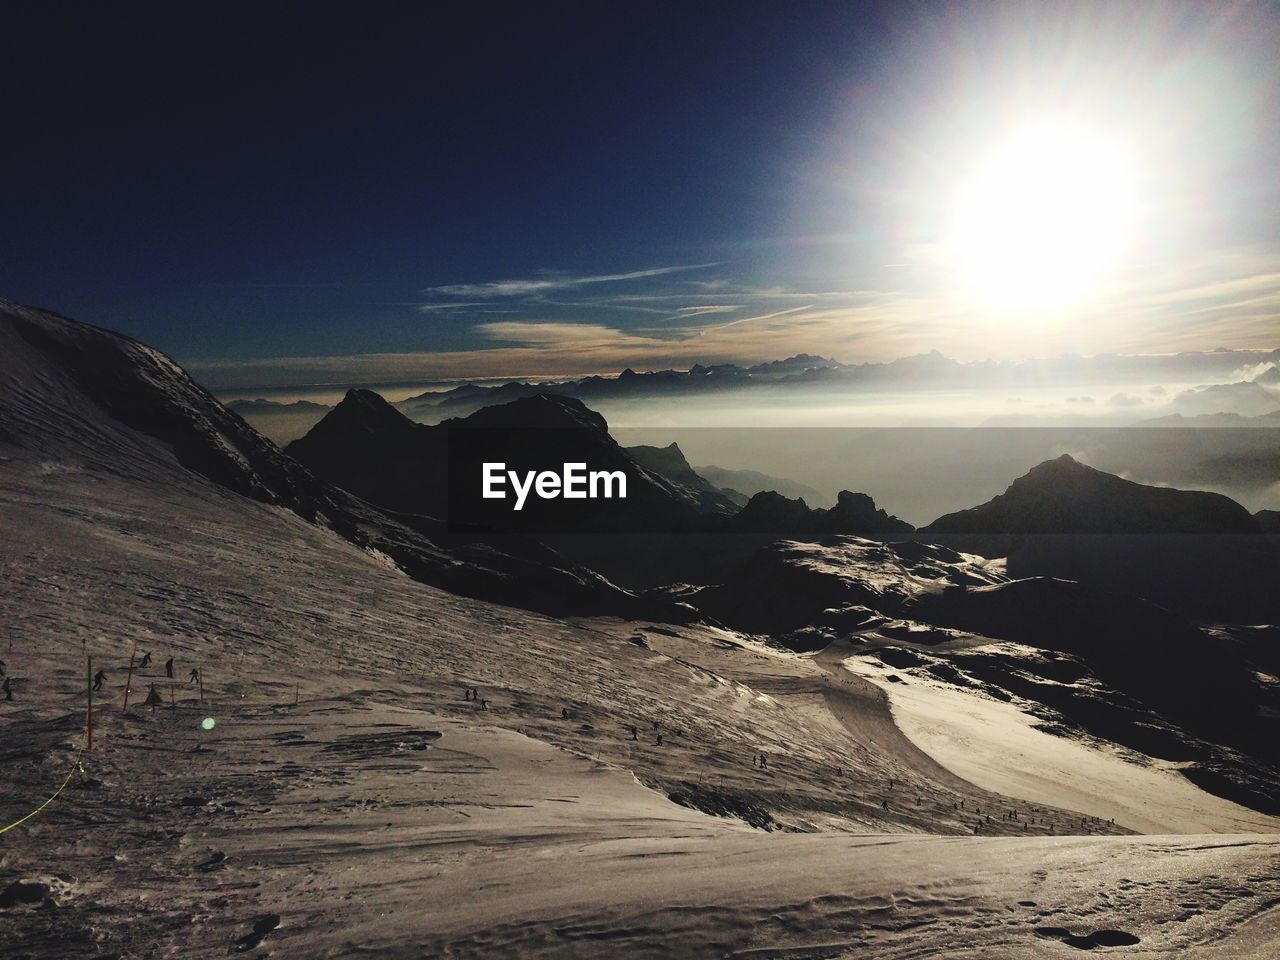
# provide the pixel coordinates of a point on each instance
(710, 308)
(764, 316)
(451, 305)
(526, 287)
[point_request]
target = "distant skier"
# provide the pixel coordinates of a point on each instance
(99, 679)
(146, 661)
(8, 688)
(466, 694)
(1, 668)
(168, 668)
(764, 762)
(659, 739)
(195, 675)
(564, 713)
(634, 732)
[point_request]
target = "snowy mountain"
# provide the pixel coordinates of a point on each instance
(931, 370)
(109, 404)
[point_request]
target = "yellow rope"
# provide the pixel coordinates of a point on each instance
(75, 765)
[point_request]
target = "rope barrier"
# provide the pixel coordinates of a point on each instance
(75, 765)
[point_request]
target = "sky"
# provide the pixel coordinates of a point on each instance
(283, 194)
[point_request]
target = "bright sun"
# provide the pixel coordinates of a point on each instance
(1042, 219)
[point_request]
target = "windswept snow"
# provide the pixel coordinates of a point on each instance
(997, 746)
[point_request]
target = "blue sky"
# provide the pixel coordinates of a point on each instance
(384, 193)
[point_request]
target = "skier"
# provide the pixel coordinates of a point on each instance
(99, 679)
(195, 675)
(168, 668)
(8, 688)
(146, 661)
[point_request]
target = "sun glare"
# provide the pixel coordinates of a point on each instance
(1042, 218)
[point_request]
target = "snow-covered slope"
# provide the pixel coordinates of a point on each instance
(329, 790)
(350, 800)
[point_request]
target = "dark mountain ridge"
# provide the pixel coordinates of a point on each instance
(853, 513)
(1190, 550)
(670, 462)
(1066, 496)
(368, 447)
(103, 402)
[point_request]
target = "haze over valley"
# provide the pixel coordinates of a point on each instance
(928, 434)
